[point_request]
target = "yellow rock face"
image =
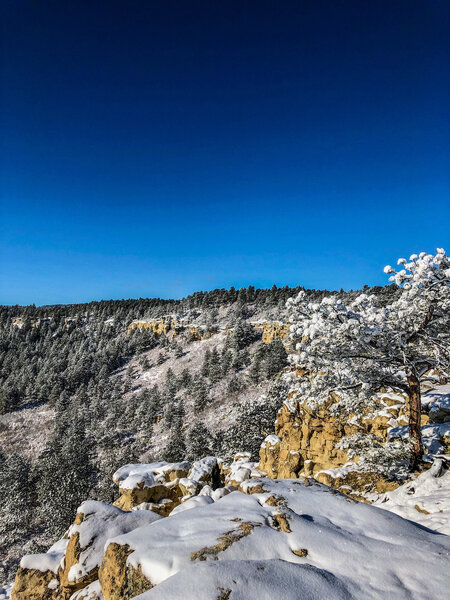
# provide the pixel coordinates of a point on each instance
(271, 330)
(32, 584)
(71, 558)
(308, 440)
(171, 327)
(158, 326)
(155, 495)
(117, 579)
(274, 330)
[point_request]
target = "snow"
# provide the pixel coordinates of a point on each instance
(249, 579)
(131, 476)
(5, 592)
(192, 503)
(241, 469)
(190, 485)
(341, 538)
(438, 401)
(340, 472)
(432, 435)
(48, 561)
(90, 592)
(202, 469)
(102, 521)
(271, 440)
(425, 500)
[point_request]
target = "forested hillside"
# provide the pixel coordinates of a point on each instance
(86, 388)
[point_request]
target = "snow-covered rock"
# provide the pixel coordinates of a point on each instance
(205, 470)
(310, 534)
(131, 476)
(95, 523)
(249, 580)
(153, 486)
(241, 469)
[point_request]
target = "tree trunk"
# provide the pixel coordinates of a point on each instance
(415, 432)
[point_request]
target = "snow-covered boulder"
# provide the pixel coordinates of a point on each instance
(192, 503)
(37, 576)
(248, 580)
(154, 485)
(206, 471)
(241, 469)
(94, 524)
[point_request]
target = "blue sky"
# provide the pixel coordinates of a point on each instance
(160, 148)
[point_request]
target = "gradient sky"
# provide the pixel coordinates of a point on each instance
(160, 148)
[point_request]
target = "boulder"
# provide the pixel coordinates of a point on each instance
(37, 576)
(95, 522)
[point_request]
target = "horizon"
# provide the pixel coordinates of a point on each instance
(158, 149)
(50, 305)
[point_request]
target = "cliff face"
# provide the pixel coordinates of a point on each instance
(171, 327)
(305, 441)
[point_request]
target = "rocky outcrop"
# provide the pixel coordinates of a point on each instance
(306, 441)
(118, 580)
(251, 536)
(271, 330)
(37, 576)
(95, 522)
(155, 486)
(272, 523)
(171, 327)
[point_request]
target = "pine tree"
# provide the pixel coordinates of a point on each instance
(353, 351)
(198, 442)
(275, 358)
(16, 492)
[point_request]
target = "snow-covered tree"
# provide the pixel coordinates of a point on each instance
(350, 352)
(198, 442)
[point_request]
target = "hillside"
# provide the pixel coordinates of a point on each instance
(155, 386)
(118, 379)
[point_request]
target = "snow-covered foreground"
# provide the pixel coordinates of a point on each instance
(273, 539)
(288, 539)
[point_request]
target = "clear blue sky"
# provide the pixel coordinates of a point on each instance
(156, 148)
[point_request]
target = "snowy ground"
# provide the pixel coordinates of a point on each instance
(26, 431)
(425, 500)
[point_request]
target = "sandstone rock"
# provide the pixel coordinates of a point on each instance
(271, 330)
(306, 441)
(118, 580)
(37, 576)
(33, 584)
(206, 471)
(155, 485)
(292, 520)
(94, 524)
(90, 592)
(241, 469)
